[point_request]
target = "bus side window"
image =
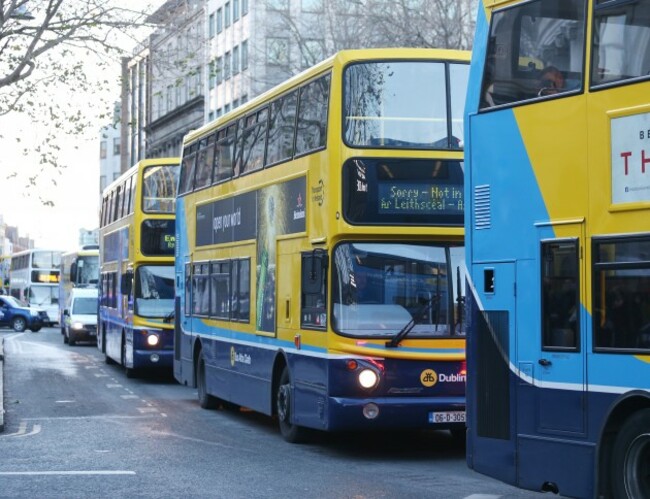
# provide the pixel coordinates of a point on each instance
(313, 290)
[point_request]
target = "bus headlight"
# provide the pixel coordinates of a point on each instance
(77, 326)
(368, 378)
(152, 340)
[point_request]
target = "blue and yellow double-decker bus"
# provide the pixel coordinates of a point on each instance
(136, 257)
(320, 248)
(558, 246)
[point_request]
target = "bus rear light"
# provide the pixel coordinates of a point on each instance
(463, 368)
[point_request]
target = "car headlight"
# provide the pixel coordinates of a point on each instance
(77, 326)
(33, 313)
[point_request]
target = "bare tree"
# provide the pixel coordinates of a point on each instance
(317, 29)
(59, 47)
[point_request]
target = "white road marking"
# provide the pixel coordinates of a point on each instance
(37, 429)
(143, 410)
(65, 401)
(82, 418)
(101, 375)
(22, 431)
(113, 385)
(89, 472)
(129, 396)
(482, 496)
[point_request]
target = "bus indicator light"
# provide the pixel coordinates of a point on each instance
(352, 364)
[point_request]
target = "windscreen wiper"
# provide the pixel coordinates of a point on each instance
(395, 340)
(169, 317)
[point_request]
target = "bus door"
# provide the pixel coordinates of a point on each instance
(560, 363)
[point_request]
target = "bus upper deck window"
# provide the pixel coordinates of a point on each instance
(527, 43)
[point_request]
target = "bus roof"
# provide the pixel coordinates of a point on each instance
(339, 59)
(140, 164)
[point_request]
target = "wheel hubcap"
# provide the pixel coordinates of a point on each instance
(637, 467)
(283, 403)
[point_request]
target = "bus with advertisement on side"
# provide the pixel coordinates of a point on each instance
(34, 279)
(136, 258)
(558, 246)
(79, 269)
(319, 248)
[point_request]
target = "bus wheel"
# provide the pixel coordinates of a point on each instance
(206, 401)
(19, 324)
(629, 472)
(129, 371)
(290, 432)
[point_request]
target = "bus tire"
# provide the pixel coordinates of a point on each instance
(206, 401)
(108, 360)
(19, 324)
(292, 433)
(630, 458)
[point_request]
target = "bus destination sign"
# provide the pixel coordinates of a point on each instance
(419, 199)
(45, 276)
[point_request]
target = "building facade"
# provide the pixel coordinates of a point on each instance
(110, 150)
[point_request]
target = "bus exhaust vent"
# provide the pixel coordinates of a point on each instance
(482, 207)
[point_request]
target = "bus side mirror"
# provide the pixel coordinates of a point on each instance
(126, 282)
(73, 272)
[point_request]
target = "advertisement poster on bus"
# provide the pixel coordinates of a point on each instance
(631, 158)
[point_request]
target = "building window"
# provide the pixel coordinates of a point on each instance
(226, 109)
(277, 51)
(235, 60)
(179, 93)
(219, 70)
(219, 112)
(210, 115)
(312, 53)
(312, 5)
(219, 20)
(102, 149)
(235, 10)
(227, 65)
(211, 25)
(170, 97)
(212, 74)
(244, 7)
(226, 9)
(116, 146)
(244, 55)
(244, 99)
(277, 4)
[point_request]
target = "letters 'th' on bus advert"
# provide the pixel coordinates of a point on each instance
(631, 158)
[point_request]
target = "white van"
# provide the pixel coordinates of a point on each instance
(80, 316)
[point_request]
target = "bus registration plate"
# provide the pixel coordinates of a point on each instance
(447, 417)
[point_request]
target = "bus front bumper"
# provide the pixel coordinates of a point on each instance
(441, 413)
(153, 359)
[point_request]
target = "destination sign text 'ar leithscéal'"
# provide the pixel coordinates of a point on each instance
(418, 199)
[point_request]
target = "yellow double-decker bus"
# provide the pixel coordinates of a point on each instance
(136, 253)
(320, 248)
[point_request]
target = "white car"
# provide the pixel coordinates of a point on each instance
(80, 316)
